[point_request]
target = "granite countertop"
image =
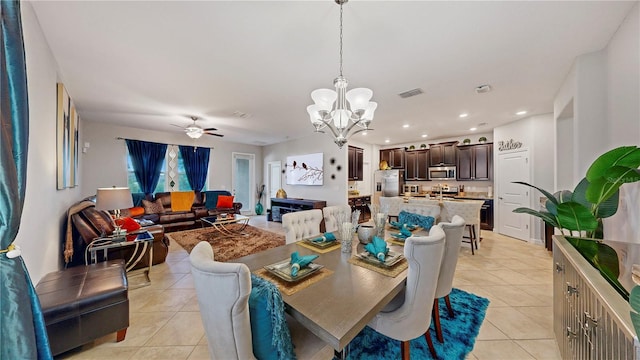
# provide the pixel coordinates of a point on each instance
(474, 196)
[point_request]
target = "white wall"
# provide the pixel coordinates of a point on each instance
(40, 235)
(333, 190)
(105, 162)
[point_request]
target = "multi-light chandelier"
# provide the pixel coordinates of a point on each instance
(341, 110)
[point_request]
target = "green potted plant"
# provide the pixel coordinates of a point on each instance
(482, 140)
(423, 146)
(412, 147)
(595, 197)
(467, 141)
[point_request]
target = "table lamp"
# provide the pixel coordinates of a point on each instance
(114, 198)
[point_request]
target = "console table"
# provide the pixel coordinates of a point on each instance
(280, 206)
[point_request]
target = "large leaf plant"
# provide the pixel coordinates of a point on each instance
(581, 211)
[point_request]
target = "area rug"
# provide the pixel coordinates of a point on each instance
(459, 333)
(229, 247)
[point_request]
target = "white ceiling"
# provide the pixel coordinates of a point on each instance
(151, 64)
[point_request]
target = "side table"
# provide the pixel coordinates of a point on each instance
(141, 241)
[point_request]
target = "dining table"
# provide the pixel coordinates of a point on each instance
(337, 307)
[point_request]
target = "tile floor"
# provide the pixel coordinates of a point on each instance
(514, 275)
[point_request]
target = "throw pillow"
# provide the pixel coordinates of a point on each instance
(128, 224)
(225, 202)
(136, 211)
(153, 207)
(425, 222)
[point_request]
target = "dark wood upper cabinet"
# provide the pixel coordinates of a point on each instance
(356, 159)
(393, 157)
(475, 162)
(417, 164)
(443, 154)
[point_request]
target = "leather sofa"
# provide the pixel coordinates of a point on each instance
(89, 224)
(204, 204)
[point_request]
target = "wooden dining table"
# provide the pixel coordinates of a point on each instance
(339, 306)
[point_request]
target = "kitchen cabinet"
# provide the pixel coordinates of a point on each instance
(475, 162)
(393, 157)
(417, 164)
(356, 158)
(361, 203)
(486, 215)
(443, 154)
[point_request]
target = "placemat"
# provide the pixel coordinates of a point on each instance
(395, 241)
(317, 249)
(393, 271)
(291, 288)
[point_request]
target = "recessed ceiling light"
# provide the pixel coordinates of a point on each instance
(424, 135)
(464, 115)
(521, 112)
(364, 133)
(405, 126)
(473, 129)
(387, 141)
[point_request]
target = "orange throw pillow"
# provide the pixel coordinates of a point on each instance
(225, 202)
(136, 211)
(128, 224)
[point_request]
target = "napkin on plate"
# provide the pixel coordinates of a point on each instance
(298, 262)
(378, 248)
(327, 237)
(404, 233)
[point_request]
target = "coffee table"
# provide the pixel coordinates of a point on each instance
(140, 241)
(220, 223)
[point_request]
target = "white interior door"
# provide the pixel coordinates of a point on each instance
(513, 167)
(275, 180)
(243, 180)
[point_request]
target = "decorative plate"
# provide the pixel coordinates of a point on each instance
(282, 269)
(319, 245)
(399, 237)
(391, 259)
(409, 227)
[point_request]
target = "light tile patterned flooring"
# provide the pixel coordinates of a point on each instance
(514, 275)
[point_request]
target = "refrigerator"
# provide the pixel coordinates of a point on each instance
(387, 183)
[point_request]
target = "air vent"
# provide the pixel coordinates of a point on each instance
(483, 89)
(411, 93)
(240, 114)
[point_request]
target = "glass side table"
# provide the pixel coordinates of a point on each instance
(140, 241)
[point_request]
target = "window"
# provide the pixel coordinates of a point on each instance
(176, 174)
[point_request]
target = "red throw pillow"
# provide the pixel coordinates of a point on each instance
(128, 224)
(225, 202)
(136, 211)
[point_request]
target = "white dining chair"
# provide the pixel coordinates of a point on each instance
(301, 224)
(469, 210)
(413, 318)
(423, 201)
(391, 205)
(333, 213)
(420, 209)
(453, 237)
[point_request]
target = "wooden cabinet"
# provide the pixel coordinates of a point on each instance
(393, 157)
(486, 215)
(356, 158)
(475, 162)
(361, 203)
(280, 206)
(442, 154)
(417, 165)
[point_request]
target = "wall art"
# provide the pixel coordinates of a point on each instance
(305, 169)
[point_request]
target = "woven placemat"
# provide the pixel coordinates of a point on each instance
(317, 249)
(395, 241)
(393, 271)
(288, 288)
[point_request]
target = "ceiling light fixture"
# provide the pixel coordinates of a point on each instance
(424, 135)
(473, 129)
(341, 110)
(387, 141)
(464, 115)
(521, 112)
(194, 131)
(405, 126)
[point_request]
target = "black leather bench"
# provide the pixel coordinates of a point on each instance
(83, 303)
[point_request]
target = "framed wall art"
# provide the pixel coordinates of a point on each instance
(67, 128)
(305, 169)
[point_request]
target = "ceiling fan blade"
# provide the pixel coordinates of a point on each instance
(210, 129)
(181, 127)
(208, 133)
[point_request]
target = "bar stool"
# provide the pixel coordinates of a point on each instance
(469, 210)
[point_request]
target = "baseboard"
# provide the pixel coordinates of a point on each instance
(536, 241)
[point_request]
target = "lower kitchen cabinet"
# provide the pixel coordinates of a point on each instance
(486, 215)
(361, 203)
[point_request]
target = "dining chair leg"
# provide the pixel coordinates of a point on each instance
(436, 320)
(405, 349)
(448, 302)
(427, 336)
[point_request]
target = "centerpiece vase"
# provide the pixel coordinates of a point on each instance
(259, 208)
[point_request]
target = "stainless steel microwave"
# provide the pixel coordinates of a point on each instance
(442, 173)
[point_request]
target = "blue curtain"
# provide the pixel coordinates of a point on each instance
(23, 334)
(147, 159)
(196, 165)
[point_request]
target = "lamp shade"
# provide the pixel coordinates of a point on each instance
(324, 98)
(113, 198)
(358, 98)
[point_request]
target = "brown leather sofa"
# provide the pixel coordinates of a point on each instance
(89, 224)
(184, 220)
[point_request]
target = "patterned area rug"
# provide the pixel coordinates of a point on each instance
(459, 333)
(228, 247)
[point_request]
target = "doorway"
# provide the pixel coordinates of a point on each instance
(275, 180)
(512, 167)
(243, 180)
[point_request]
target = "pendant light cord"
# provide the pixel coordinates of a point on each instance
(340, 39)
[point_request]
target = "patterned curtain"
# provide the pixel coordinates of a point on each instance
(23, 334)
(196, 164)
(147, 159)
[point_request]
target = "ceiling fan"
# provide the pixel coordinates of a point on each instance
(195, 131)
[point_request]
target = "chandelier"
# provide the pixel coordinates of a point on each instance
(341, 110)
